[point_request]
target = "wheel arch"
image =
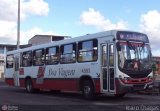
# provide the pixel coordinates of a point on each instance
(84, 78)
(26, 78)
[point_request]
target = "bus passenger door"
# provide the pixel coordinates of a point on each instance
(107, 67)
(16, 70)
(111, 51)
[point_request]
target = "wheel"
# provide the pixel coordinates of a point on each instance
(29, 86)
(88, 90)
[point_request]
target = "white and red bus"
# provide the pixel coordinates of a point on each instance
(111, 62)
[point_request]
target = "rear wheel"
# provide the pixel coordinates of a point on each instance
(88, 89)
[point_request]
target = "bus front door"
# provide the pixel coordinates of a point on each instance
(108, 67)
(16, 70)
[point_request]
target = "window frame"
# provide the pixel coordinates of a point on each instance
(74, 52)
(93, 51)
(42, 57)
(30, 57)
(12, 62)
(49, 56)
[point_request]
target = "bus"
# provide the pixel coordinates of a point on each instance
(114, 62)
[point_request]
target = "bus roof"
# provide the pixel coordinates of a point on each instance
(71, 40)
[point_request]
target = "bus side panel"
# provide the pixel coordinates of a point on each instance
(70, 84)
(25, 72)
(97, 85)
(91, 70)
(9, 77)
(56, 84)
(59, 78)
(66, 76)
(9, 81)
(22, 82)
(61, 84)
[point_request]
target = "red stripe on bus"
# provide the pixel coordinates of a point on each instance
(22, 82)
(9, 81)
(56, 84)
(97, 85)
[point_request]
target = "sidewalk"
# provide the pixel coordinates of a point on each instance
(1, 79)
(2, 82)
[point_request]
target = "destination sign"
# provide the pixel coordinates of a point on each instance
(132, 36)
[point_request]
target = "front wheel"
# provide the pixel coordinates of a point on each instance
(88, 90)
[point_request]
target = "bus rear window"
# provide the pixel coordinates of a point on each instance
(9, 61)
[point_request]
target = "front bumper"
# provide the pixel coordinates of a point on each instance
(128, 88)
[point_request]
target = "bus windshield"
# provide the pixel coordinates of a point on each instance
(134, 56)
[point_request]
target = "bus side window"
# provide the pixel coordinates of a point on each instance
(88, 50)
(52, 55)
(38, 57)
(104, 53)
(95, 50)
(26, 59)
(68, 53)
(111, 55)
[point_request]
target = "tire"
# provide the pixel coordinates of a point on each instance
(29, 86)
(88, 90)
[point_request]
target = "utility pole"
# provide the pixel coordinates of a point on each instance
(18, 26)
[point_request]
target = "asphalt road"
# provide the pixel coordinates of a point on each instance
(15, 99)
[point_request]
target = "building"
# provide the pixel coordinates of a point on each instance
(3, 49)
(156, 62)
(41, 39)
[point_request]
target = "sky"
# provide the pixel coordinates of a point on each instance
(79, 17)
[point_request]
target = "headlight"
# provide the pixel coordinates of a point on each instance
(125, 79)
